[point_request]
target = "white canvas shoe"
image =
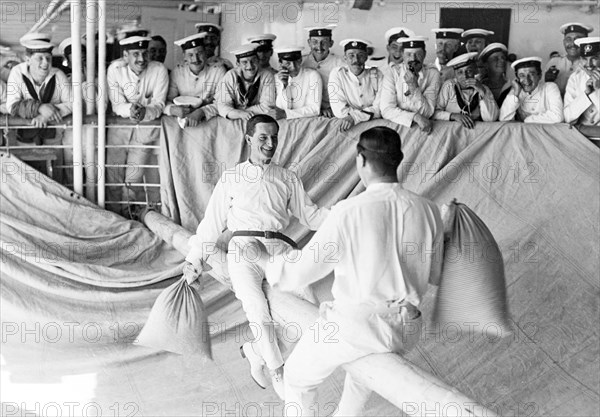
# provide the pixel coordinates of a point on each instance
(257, 365)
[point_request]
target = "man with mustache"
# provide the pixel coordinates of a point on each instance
(355, 90)
(255, 200)
(322, 59)
(558, 70)
(410, 89)
(137, 89)
(393, 47)
(264, 51)
(41, 93)
(582, 96)
(212, 41)
(530, 99)
(299, 90)
(194, 78)
(246, 90)
(447, 42)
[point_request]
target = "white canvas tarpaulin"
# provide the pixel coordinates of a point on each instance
(536, 188)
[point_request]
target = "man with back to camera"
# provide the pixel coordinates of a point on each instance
(246, 90)
(378, 284)
(410, 89)
(531, 100)
(255, 200)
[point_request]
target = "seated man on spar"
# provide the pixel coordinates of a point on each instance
(254, 201)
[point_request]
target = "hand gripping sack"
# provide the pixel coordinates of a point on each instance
(178, 322)
(472, 288)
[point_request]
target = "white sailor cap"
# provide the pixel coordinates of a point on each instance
(398, 32)
(355, 44)
(191, 41)
(35, 36)
(492, 48)
(245, 51)
(576, 27)
(38, 46)
(264, 41)
(413, 42)
(588, 46)
(463, 60)
(476, 33)
(65, 46)
(320, 30)
(208, 28)
(135, 42)
(527, 62)
(447, 33)
(289, 53)
(131, 31)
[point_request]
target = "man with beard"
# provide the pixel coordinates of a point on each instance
(212, 41)
(465, 99)
(447, 42)
(355, 90)
(558, 70)
(137, 89)
(157, 50)
(40, 93)
(410, 89)
(255, 200)
(582, 97)
(246, 90)
(530, 99)
(194, 78)
(264, 51)
(299, 90)
(394, 47)
(322, 59)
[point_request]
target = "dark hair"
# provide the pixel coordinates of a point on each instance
(159, 39)
(259, 118)
(381, 146)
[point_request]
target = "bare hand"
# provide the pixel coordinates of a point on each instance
(424, 124)
(411, 80)
(284, 76)
(476, 85)
(181, 111)
(347, 123)
(39, 121)
(594, 80)
(279, 113)
(516, 87)
(139, 113)
(327, 113)
(551, 75)
(464, 119)
(49, 113)
(196, 117)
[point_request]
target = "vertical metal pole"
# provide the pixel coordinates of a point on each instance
(90, 98)
(102, 99)
(77, 97)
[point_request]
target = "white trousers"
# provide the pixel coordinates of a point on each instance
(247, 280)
(324, 348)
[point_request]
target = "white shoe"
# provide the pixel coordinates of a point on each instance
(257, 365)
(277, 380)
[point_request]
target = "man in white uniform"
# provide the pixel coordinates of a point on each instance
(212, 41)
(299, 90)
(530, 99)
(246, 90)
(476, 39)
(255, 200)
(582, 98)
(394, 46)
(465, 99)
(559, 69)
(264, 51)
(322, 59)
(355, 91)
(410, 89)
(137, 89)
(378, 284)
(194, 78)
(447, 42)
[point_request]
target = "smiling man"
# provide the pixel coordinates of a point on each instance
(212, 42)
(530, 99)
(355, 90)
(299, 90)
(246, 90)
(137, 89)
(255, 200)
(193, 77)
(394, 47)
(559, 69)
(322, 59)
(264, 50)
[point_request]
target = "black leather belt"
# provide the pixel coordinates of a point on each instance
(267, 235)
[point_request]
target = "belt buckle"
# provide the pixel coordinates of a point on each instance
(269, 234)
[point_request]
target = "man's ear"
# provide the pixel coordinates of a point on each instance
(308, 42)
(248, 139)
(330, 43)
